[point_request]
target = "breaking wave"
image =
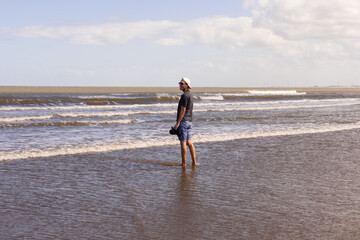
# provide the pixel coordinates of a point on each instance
(69, 123)
(111, 114)
(22, 119)
(107, 147)
(216, 97)
(85, 107)
(127, 113)
(276, 93)
(279, 107)
(173, 105)
(164, 97)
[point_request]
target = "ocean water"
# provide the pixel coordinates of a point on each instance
(273, 165)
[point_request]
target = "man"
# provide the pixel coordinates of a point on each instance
(184, 119)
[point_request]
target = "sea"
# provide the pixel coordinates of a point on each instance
(274, 164)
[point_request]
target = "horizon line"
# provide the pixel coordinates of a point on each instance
(110, 89)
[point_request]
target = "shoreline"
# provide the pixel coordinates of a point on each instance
(52, 89)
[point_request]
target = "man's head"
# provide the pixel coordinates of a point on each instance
(184, 84)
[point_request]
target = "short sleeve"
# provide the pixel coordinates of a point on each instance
(183, 101)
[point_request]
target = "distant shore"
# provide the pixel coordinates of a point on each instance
(43, 89)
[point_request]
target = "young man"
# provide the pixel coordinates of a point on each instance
(184, 119)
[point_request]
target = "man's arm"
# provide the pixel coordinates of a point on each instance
(181, 115)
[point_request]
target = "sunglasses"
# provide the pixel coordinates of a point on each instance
(181, 83)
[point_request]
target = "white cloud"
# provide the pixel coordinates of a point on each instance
(219, 31)
(109, 33)
(304, 19)
(316, 32)
(168, 41)
(301, 29)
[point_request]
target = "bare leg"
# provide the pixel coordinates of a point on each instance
(192, 152)
(183, 153)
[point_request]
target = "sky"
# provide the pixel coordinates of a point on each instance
(227, 43)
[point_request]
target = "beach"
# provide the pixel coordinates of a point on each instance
(94, 164)
(296, 187)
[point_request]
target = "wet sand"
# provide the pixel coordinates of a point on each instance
(290, 187)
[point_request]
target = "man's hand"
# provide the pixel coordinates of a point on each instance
(181, 115)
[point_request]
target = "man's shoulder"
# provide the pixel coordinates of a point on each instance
(187, 94)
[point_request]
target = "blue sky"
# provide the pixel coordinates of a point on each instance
(227, 43)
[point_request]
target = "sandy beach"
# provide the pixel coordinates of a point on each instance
(99, 163)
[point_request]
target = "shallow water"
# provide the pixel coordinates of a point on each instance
(44, 125)
(290, 187)
(278, 173)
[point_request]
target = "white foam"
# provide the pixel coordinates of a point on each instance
(174, 105)
(40, 153)
(276, 93)
(262, 134)
(283, 102)
(282, 107)
(99, 96)
(110, 114)
(121, 121)
(91, 114)
(22, 119)
(275, 107)
(71, 123)
(88, 107)
(127, 113)
(166, 96)
(216, 97)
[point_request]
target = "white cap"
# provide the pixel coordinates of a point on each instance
(187, 81)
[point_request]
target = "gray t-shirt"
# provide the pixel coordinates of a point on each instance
(186, 100)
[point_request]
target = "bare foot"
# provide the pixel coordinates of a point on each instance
(195, 164)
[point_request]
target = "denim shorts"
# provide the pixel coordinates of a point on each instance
(185, 128)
